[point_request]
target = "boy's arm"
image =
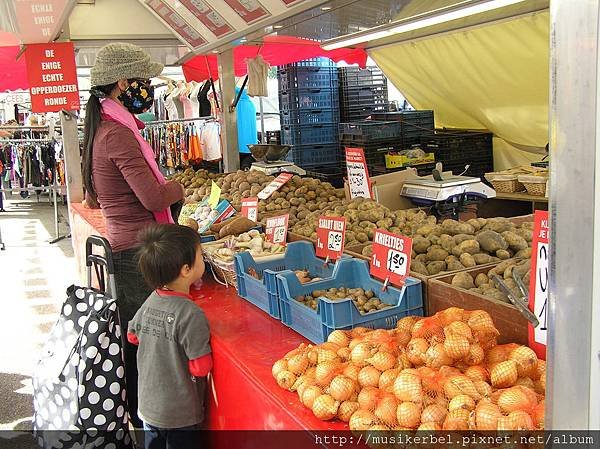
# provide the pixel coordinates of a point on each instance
(131, 333)
(194, 336)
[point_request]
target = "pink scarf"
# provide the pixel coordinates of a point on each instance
(120, 115)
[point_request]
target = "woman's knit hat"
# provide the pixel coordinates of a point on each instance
(122, 61)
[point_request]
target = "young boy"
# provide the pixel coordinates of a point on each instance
(174, 355)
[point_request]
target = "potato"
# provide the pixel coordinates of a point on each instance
(463, 280)
(421, 244)
(467, 260)
(475, 223)
(499, 225)
(436, 254)
(454, 265)
(419, 267)
(502, 254)
(426, 230)
(527, 234)
(491, 241)
(481, 279)
(436, 267)
(482, 259)
(367, 251)
(515, 241)
(454, 227)
(469, 246)
(434, 239)
(499, 269)
(421, 258)
(447, 242)
(497, 295)
(458, 239)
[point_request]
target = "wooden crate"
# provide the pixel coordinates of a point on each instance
(508, 320)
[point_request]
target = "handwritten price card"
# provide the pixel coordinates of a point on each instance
(539, 283)
(359, 183)
(276, 229)
(250, 208)
(275, 185)
(331, 233)
(391, 257)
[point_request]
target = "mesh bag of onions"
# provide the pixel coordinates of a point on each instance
(443, 372)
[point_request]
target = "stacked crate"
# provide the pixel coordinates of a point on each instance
(363, 92)
(309, 105)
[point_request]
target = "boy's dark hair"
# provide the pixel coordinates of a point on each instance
(165, 249)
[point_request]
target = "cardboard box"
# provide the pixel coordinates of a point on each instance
(386, 189)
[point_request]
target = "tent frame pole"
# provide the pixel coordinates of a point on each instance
(229, 134)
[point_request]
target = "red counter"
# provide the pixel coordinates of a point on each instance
(245, 343)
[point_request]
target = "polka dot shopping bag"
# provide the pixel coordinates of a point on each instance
(80, 399)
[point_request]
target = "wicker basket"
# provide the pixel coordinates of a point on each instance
(223, 272)
(505, 183)
(535, 185)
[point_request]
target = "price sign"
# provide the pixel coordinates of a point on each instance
(276, 229)
(215, 195)
(250, 208)
(275, 185)
(358, 175)
(539, 284)
(331, 232)
(391, 257)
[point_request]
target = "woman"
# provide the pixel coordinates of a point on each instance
(121, 175)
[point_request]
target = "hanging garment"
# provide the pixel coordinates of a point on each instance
(246, 122)
(194, 99)
(170, 106)
(188, 108)
(195, 150)
(258, 72)
(210, 141)
(204, 103)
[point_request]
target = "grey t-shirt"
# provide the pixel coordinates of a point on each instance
(171, 330)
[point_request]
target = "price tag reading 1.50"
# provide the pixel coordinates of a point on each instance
(397, 262)
(391, 257)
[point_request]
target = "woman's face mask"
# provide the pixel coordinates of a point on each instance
(138, 97)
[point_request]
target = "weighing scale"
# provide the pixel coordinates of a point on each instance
(269, 159)
(448, 195)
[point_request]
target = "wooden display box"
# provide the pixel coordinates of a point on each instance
(508, 320)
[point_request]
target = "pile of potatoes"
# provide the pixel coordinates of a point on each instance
(365, 300)
(483, 283)
(196, 183)
(363, 217)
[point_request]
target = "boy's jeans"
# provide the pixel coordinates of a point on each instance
(182, 438)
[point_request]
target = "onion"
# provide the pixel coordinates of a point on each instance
(450, 315)
(406, 324)
(483, 388)
(339, 337)
(458, 328)
(460, 385)
(407, 387)
(327, 355)
(379, 428)
(540, 369)
(386, 410)
(303, 386)
(359, 331)
(457, 346)
(278, 366)
(457, 419)
(434, 413)
(499, 354)
(429, 426)
(310, 394)
(477, 372)
(436, 356)
(476, 355)
(526, 382)
(313, 356)
(298, 364)
(325, 407)
(346, 410)
(382, 361)
(538, 415)
(540, 385)
(387, 378)
(481, 321)
(361, 353)
(344, 354)
(462, 401)
(362, 420)
(403, 361)
(409, 415)
(516, 399)
(351, 371)
(402, 337)
(429, 329)
(300, 380)
(487, 416)
(286, 379)
(326, 371)
(354, 342)
(504, 374)
(526, 360)
(516, 421)
(341, 388)
(311, 372)
(367, 398)
(416, 350)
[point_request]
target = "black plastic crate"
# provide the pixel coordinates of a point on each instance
(362, 97)
(369, 130)
(273, 137)
(332, 173)
(309, 116)
(309, 98)
(314, 155)
(351, 114)
(303, 77)
(413, 125)
(355, 76)
(309, 134)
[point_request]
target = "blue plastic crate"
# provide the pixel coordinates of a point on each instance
(343, 314)
(309, 116)
(309, 134)
(314, 155)
(263, 293)
(301, 77)
(321, 62)
(308, 98)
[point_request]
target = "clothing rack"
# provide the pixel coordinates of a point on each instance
(181, 120)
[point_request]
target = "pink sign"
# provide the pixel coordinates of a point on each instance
(208, 16)
(39, 20)
(249, 10)
(175, 21)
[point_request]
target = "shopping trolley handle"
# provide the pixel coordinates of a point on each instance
(91, 258)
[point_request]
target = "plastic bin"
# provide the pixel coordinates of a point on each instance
(309, 116)
(369, 130)
(299, 77)
(263, 292)
(314, 155)
(308, 98)
(343, 314)
(309, 134)
(357, 77)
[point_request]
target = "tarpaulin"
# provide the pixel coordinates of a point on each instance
(493, 77)
(276, 50)
(13, 73)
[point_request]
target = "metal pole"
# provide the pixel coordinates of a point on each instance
(68, 123)
(573, 345)
(262, 121)
(229, 136)
(56, 235)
